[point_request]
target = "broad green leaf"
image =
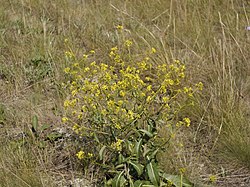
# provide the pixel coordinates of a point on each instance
(137, 166)
(119, 180)
(119, 166)
(108, 183)
(177, 180)
(153, 154)
(54, 136)
(141, 183)
(150, 135)
(129, 146)
(101, 152)
(153, 173)
(151, 125)
(131, 182)
(121, 158)
(96, 138)
(146, 151)
(35, 123)
(138, 183)
(138, 148)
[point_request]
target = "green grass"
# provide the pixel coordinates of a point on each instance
(208, 36)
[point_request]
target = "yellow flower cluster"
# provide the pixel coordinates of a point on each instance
(118, 91)
(81, 155)
(110, 97)
(117, 145)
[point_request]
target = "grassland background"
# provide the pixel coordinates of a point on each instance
(209, 36)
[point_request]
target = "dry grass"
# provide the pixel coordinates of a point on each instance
(208, 36)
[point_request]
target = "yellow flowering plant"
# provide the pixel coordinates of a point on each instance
(120, 106)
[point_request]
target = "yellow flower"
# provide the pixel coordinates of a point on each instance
(117, 145)
(119, 27)
(182, 75)
(92, 51)
(122, 93)
(74, 92)
(104, 112)
(73, 102)
(179, 123)
(75, 127)
(67, 70)
(65, 119)
(90, 155)
(149, 87)
(80, 155)
(149, 98)
(69, 54)
(165, 99)
(182, 170)
(76, 64)
(128, 43)
(103, 67)
(120, 102)
(84, 108)
(107, 77)
(118, 126)
(131, 114)
(187, 121)
(111, 103)
(85, 56)
(114, 48)
(177, 61)
(199, 85)
(79, 116)
(104, 87)
(66, 40)
(148, 79)
(212, 178)
(153, 50)
(93, 63)
(86, 69)
(142, 94)
(66, 103)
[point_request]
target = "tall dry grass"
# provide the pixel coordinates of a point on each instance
(208, 36)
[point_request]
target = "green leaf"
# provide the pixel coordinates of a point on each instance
(119, 166)
(121, 158)
(34, 124)
(108, 183)
(141, 183)
(177, 180)
(101, 152)
(119, 180)
(153, 154)
(138, 183)
(54, 136)
(96, 138)
(137, 149)
(44, 127)
(149, 185)
(150, 135)
(137, 166)
(151, 125)
(129, 146)
(146, 151)
(153, 173)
